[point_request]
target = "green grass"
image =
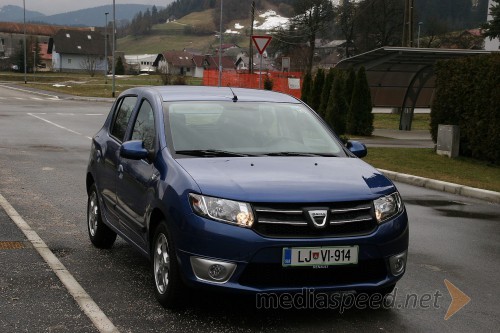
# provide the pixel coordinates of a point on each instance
(421, 121)
(426, 163)
(84, 85)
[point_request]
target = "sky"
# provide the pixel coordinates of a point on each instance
(50, 7)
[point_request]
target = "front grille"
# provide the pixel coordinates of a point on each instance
(291, 220)
(274, 275)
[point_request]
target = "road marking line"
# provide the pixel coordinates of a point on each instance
(94, 114)
(57, 125)
(86, 303)
(19, 98)
(37, 99)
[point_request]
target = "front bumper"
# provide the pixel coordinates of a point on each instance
(257, 259)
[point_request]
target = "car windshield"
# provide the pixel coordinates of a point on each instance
(220, 128)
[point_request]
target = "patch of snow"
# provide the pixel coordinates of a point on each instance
(272, 21)
(57, 85)
(229, 31)
(238, 26)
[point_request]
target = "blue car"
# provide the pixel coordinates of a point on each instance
(241, 190)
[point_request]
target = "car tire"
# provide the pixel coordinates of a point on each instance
(100, 234)
(165, 268)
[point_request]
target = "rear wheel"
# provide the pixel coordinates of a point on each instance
(168, 284)
(99, 233)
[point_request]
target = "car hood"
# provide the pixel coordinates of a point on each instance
(287, 179)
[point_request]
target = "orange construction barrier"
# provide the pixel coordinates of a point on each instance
(285, 82)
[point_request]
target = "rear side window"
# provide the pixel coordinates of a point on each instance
(122, 117)
(144, 127)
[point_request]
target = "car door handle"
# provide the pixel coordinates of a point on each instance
(120, 171)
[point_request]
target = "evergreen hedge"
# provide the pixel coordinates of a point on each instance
(468, 95)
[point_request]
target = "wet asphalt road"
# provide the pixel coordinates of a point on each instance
(44, 147)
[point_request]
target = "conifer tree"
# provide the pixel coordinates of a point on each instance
(336, 111)
(325, 94)
(360, 117)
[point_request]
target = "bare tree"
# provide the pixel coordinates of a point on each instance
(89, 64)
(346, 18)
(313, 16)
(380, 24)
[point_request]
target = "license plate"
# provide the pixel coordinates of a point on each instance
(320, 256)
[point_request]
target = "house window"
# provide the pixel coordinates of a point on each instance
(69, 61)
(188, 69)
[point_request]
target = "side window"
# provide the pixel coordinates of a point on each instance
(122, 117)
(144, 126)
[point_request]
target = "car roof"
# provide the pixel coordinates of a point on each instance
(202, 93)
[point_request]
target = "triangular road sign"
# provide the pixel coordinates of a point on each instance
(261, 42)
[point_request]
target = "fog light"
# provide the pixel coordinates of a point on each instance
(398, 263)
(212, 270)
(217, 272)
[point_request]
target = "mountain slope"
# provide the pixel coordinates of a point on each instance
(11, 13)
(84, 17)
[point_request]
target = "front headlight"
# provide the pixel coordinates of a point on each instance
(387, 207)
(229, 211)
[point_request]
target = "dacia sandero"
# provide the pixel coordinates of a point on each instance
(241, 190)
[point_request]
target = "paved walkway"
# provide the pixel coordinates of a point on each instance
(397, 138)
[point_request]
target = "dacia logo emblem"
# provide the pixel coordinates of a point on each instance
(318, 218)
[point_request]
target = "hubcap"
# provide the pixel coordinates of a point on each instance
(161, 264)
(93, 213)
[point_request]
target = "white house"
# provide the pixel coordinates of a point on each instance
(77, 51)
(141, 63)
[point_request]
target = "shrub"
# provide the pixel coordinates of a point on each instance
(468, 95)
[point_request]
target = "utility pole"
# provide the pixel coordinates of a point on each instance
(24, 41)
(113, 89)
(220, 44)
(408, 24)
(250, 48)
(106, 48)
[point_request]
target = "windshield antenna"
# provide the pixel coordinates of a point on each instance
(235, 98)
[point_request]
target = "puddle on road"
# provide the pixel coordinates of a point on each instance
(48, 148)
(457, 209)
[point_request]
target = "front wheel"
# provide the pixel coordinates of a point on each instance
(99, 233)
(168, 284)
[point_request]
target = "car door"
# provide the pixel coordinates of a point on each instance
(108, 154)
(135, 184)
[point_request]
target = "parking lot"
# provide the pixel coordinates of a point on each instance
(44, 148)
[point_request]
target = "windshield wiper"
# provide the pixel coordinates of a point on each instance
(211, 153)
(291, 153)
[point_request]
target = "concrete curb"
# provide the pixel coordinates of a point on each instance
(31, 91)
(439, 185)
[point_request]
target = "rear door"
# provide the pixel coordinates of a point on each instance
(109, 150)
(135, 185)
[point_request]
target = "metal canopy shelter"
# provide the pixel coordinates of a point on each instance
(403, 77)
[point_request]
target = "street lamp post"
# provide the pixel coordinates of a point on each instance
(24, 40)
(106, 48)
(418, 37)
(220, 44)
(113, 46)
(34, 64)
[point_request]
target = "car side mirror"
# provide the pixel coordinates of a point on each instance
(134, 150)
(357, 148)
